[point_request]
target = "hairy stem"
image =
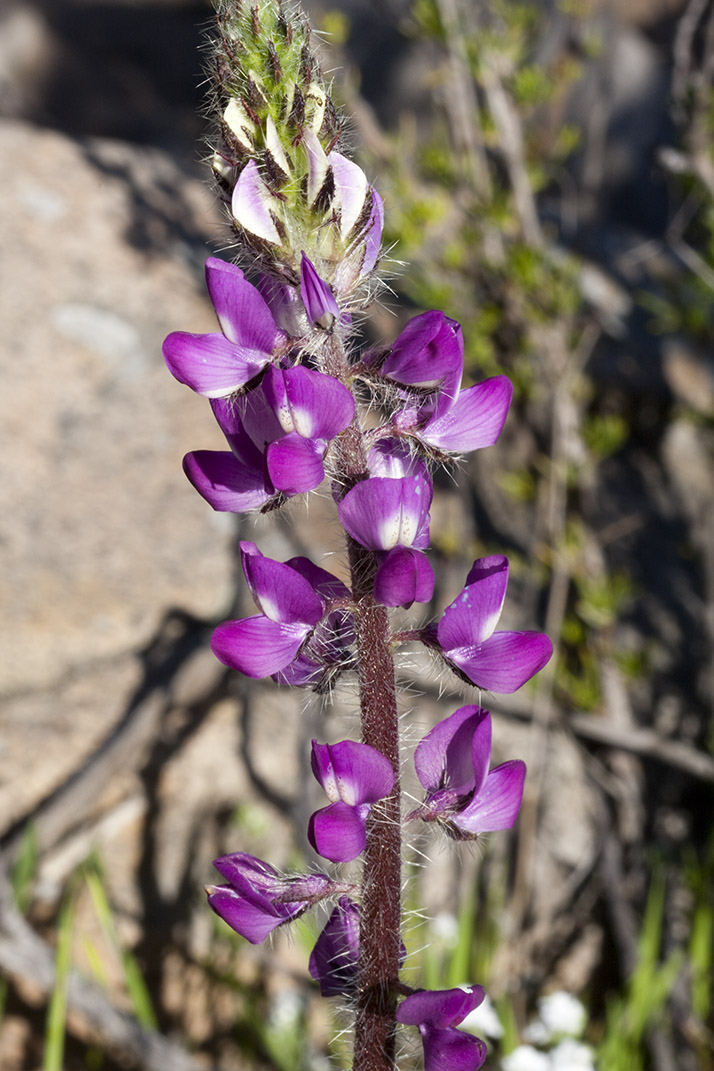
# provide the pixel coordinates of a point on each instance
(380, 930)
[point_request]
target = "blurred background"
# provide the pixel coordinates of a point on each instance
(548, 175)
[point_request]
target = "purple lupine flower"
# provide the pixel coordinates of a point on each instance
(257, 899)
(391, 516)
(219, 364)
(436, 1014)
(428, 354)
(465, 636)
(328, 649)
(354, 776)
(472, 420)
(290, 609)
(334, 959)
(452, 765)
(317, 297)
(278, 433)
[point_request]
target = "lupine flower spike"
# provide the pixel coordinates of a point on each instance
(280, 375)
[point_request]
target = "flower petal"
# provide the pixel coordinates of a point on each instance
(496, 804)
(295, 464)
(317, 297)
(280, 592)
(257, 646)
(429, 353)
(381, 513)
(333, 962)
(352, 772)
(404, 576)
(473, 615)
(253, 207)
(452, 1050)
(313, 404)
(210, 364)
(351, 189)
(242, 311)
(373, 233)
(444, 759)
(248, 918)
(226, 484)
(505, 661)
(338, 832)
(439, 1008)
(474, 420)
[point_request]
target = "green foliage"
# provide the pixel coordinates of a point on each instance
(699, 874)
(605, 433)
(133, 978)
(643, 1003)
(56, 1023)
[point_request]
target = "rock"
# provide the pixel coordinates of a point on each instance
(99, 531)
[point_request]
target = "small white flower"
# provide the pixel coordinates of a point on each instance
(483, 1021)
(525, 1058)
(562, 1013)
(571, 1055)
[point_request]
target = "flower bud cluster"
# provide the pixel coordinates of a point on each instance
(275, 158)
(282, 390)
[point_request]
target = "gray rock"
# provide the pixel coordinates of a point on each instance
(99, 531)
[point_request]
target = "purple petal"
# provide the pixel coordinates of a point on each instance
(444, 758)
(210, 364)
(295, 464)
(439, 1008)
(428, 353)
(473, 615)
(393, 458)
(496, 804)
(242, 312)
(257, 646)
(404, 576)
(313, 404)
(226, 484)
(474, 420)
(452, 1050)
(253, 206)
(505, 661)
(317, 297)
(373, 234)
(280, 592)
(227, 412)
(246, 871)
(324, 583)
(338, 832)
(381, 513)
(352, 772)
(485, 567)
(247, 917)
(284, 303)
(334, 959)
